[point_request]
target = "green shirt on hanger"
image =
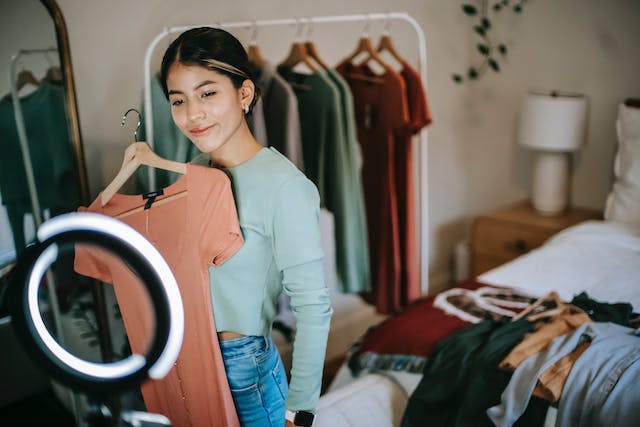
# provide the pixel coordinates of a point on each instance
(329, 163)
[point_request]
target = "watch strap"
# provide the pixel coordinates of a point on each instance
(300, 418)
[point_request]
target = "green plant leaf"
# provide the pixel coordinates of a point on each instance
(517, 8)
(480, 30)
(486, 24)
(483, 49)
(456, 78)
(473, 73)
(494, 65)
(502, 49)
(469, 9)
(497, 7)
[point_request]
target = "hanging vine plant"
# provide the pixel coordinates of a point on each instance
(490, 51)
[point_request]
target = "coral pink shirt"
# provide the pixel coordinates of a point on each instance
(192, 232)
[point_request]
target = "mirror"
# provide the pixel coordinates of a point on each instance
(42, 174)
(36, 57)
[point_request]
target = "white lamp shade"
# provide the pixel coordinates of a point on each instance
(553, 121)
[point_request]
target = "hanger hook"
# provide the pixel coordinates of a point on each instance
(309, 28)
(254, 33)
(387, 25)
(367, 26)
(124, 119)
(299, 28)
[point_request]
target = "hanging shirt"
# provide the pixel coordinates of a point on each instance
(51, 155)
(278, 209)
(281, 118)
(353, 262)
(168, 141)
(419, 116)
(192, 232)
(327, 159)
(381, 115)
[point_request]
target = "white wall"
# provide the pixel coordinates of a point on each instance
(588, 46)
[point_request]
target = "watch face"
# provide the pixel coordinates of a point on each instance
(303, 418)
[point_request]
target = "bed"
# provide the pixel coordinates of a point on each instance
(600, 259)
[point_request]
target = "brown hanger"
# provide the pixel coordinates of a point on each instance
(310, 46)
(386, 44)
(366, 46)
(298, 54)
(24, 78)
(553, 297)
(54, 74)
(136, 154)
(253, 51)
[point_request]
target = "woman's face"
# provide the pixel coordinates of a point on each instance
(205, 105)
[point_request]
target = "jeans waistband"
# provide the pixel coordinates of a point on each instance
(244, 345)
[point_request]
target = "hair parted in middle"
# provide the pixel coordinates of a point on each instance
(211, 48)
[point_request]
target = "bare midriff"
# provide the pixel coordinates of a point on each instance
(228, 335)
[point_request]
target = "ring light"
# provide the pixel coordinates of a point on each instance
(142, 257)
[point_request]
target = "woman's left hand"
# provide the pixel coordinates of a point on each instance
(288, 423)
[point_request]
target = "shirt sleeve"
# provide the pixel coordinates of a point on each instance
(298, 255)
(420, 114)
(220, 228)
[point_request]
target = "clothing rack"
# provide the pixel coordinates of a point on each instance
(54, 305)
(28, 167)
(422, 151)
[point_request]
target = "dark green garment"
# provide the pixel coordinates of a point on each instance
(168, 141)
(620, 313)
(51, 155)
(356, 239)
(329, 164)
(462, 380)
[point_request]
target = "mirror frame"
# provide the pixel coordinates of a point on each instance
(64, 51)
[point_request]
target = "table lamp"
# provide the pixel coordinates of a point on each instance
(553, 124)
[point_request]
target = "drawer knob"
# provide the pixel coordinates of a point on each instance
(521, 246)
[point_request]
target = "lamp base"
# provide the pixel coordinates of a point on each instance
(550, 183)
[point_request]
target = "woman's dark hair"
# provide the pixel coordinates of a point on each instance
(198, 46)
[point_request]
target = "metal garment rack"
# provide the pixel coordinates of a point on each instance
(422, 149)
(28, 167)
(35, 202)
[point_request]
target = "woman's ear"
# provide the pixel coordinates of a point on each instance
(247, 92)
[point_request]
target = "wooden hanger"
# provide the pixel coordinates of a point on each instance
(54, 75)
(298, 53)
(24, 78)
(365, 46)
(253, 51)
(386, 44)
(138, 153)
(553, 297)
(310, 46)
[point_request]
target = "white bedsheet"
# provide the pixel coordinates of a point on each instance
(600, 258)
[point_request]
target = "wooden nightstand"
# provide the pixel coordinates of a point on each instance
(508, 232)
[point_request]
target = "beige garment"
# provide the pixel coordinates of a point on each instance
(551, 382)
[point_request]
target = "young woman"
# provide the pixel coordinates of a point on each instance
(206, 76)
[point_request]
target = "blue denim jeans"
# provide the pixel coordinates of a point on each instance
(257, 380)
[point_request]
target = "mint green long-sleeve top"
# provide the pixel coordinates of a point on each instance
(278, 210)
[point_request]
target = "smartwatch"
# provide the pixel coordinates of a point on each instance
(300, 418)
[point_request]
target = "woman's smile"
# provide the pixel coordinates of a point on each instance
(200, 131)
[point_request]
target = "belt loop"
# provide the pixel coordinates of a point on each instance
(266, 342)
